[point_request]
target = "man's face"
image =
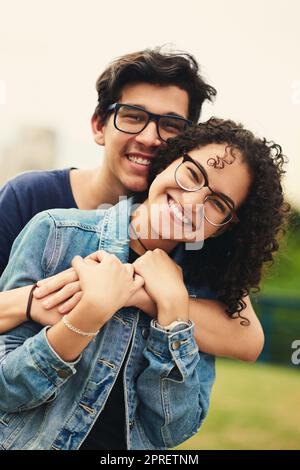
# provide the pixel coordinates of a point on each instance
(127, 156)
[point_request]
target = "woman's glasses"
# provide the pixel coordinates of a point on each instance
(219, 209)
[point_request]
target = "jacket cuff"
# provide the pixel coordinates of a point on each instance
(48, 361)
(178, 344)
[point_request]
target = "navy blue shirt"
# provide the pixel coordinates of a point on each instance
(24, 196)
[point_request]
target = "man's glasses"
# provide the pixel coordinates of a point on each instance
(219, 209)
(133, 120)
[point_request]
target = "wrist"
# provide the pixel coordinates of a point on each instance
(173, 311)
(19, 305)
(146, 304)
(86, 317)
(13, 308)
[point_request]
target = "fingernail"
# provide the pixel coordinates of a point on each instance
(46, 304)
(61, 309)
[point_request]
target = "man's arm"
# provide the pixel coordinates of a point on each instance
(218, 334)
(215, 332)
(13, 307)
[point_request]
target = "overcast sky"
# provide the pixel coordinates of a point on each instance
(51, 53)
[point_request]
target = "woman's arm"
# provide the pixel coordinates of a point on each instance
(115, 281)
(32, 371)
(175, 387)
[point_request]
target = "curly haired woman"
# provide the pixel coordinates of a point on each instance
(106, 370)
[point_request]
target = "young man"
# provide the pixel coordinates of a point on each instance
(143, 99)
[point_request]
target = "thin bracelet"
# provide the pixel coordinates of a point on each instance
(77, 330)
(28, 308)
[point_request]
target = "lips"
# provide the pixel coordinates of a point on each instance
(139, 158)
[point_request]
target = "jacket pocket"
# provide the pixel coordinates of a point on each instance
(10, 425)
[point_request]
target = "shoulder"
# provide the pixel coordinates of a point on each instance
(35, 191)
(84, 219)
(36, 179)
(113, 214)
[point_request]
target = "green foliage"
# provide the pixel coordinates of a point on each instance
(284, 277)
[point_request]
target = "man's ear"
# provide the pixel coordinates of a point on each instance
(98, 129)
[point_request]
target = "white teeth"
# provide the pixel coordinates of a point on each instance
(140, 160)
(177, 211)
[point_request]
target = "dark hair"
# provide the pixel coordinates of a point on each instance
(231, 264)
(157, 67)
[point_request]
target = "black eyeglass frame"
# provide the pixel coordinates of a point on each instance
(151, 117)
(229, 203)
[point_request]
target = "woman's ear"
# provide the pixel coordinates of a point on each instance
(98, 129)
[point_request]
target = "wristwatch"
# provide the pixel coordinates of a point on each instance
(176, 325)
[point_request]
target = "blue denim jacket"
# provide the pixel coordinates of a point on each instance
(48, 403)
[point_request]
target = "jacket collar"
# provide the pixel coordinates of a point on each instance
(114, 237)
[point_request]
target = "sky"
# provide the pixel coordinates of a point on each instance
(51, 53)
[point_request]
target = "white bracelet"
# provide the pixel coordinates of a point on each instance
(173, 325)
(77, 330)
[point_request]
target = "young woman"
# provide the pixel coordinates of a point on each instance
(106, 376)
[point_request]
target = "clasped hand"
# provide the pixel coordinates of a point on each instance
(106, 284)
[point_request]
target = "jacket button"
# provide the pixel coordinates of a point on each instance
(145, 333)
(63, 374)
(176, 345)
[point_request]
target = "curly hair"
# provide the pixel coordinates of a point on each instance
(231, 264)
(158, 67)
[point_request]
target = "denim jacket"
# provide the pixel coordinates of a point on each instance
(48, 403)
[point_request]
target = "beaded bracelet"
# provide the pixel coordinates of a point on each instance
(77, 330)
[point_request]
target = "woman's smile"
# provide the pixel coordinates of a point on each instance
(178, 213)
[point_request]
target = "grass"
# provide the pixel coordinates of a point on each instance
(253, 406)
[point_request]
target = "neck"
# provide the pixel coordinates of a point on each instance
(91, 188)
(106, 188)
(141, 223)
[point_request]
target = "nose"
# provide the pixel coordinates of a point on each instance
(149, 136)
(194, 197)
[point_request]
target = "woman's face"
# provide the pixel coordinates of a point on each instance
(179, 213)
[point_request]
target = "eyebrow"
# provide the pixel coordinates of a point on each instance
(227, 198)
(170, 113)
